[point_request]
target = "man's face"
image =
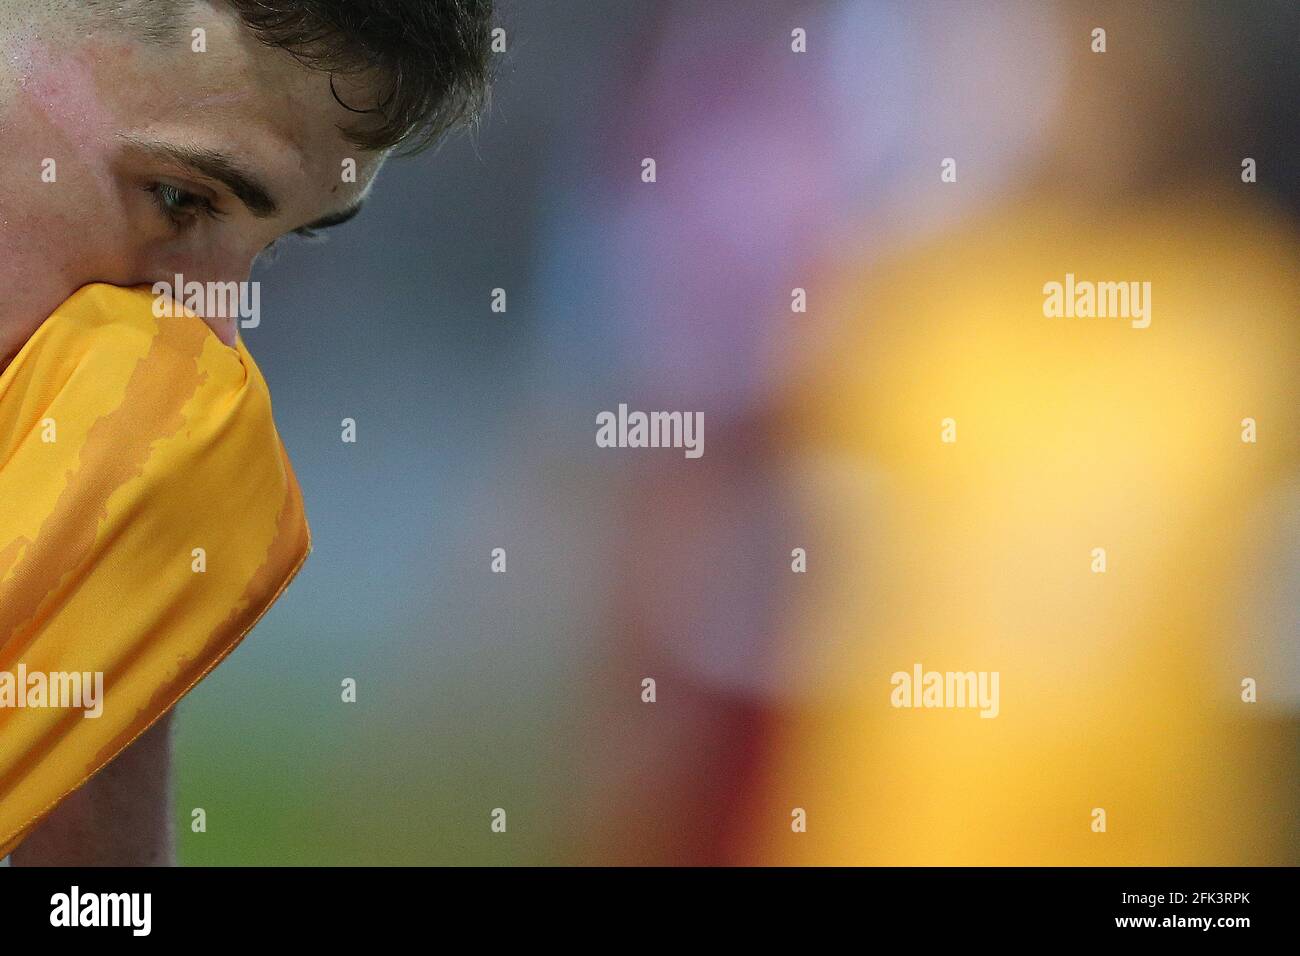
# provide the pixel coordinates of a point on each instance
(167, 161)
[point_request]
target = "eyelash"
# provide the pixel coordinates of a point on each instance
(275, 245)
(180, 206)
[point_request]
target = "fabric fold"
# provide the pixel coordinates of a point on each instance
(149, 516)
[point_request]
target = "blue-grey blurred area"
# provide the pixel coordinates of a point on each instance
(462, 674)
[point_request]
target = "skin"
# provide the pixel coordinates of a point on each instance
(114, 107)
(104, 104)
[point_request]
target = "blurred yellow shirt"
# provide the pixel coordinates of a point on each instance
(1121, 690)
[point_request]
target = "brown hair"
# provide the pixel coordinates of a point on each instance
(430, 58)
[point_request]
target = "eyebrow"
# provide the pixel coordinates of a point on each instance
(244, 184)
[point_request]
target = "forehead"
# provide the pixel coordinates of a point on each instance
(208, 83)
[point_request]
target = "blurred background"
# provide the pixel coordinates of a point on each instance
(780, 170)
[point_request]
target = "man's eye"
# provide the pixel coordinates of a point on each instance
(180, 207)
(302, 232)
